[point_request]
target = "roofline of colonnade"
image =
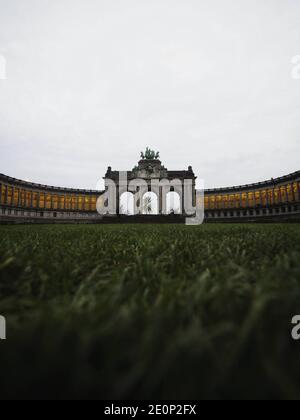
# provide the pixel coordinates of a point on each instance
(259, 185)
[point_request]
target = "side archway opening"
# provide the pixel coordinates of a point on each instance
(173, 203)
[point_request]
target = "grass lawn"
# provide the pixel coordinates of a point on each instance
(146, 312)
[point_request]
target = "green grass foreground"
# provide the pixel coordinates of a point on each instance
(150, 311)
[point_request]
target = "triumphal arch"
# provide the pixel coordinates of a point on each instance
(157, 179)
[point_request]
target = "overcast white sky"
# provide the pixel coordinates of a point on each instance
(90, 83)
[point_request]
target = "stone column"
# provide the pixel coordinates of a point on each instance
(136, 202)
(118, 200)
(241, 200)
(194, 194)
(260, 199)
(272, 196)
(6, 195)
(293, 192)
(12, 196)
(247, 200)
(160, 201)
(286, 195)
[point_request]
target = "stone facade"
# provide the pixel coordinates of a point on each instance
(154, 174)
(276, 199)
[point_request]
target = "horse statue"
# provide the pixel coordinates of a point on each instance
(149, 154)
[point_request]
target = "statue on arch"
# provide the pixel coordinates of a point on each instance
(149, 154)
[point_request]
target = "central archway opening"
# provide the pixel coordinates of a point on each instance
(150, 203)
(127, 204)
